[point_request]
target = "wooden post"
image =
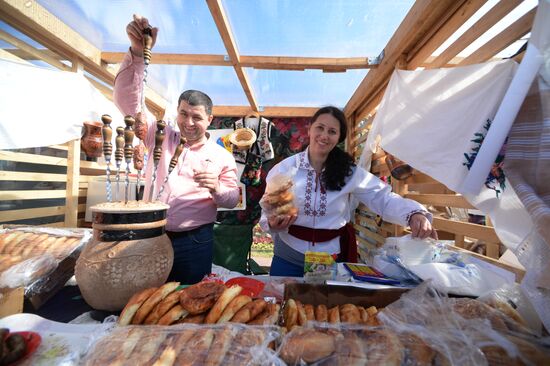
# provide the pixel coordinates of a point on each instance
(73, 172)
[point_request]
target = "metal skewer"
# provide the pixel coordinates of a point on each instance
(173, 163)
(128, 150)
(107, 151)
(157, 153)
(119, 155)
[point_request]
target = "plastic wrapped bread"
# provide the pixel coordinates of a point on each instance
(186, 344)
(30, 253)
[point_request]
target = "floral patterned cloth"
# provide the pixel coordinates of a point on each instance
(288, 137)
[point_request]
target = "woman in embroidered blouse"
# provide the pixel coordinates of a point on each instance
(326, 178)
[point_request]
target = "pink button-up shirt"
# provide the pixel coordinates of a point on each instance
(190, 205)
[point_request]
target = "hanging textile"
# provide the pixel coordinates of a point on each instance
(262, 146)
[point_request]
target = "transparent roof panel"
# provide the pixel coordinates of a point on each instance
(186, 26)
(314, 28)
(14, 32)
(219, 82)
(309, 88)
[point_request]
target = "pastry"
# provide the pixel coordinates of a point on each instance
(153, 300)
(306, 345)
(162, 307)
(216, 312)
(249, 311)
(200, 297)
(235, 305)
(133, 305)
(173, 315)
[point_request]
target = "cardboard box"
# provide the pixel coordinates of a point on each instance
(40, 291)
(11, 301)
(332, 295)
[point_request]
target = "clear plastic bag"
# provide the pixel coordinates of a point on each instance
(24, 273)
(278, 198)
(460, 331)
(227, 344)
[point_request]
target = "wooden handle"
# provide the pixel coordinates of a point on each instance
(129, 137)
(177, 153)
(159, 138)
(119, 142)
(147, 44)
(107, 134)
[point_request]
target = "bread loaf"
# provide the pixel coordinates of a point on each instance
(231, 309)
(216, 312)
(162, 308)
(153, 300)
(173, 315)
(249, 311)
(133, 305)
(306, 345)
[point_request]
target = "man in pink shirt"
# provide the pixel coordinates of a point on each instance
(205, 176)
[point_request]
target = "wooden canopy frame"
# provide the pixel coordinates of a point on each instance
(428, 24)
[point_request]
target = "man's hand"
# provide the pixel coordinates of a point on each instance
(281, 222)
(134, 29)
(207, 180)
(421, 227)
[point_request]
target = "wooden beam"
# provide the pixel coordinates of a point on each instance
(445, 31)
(216, 9)
(31, 213)
(33, 195)
(420, 21)
(33, 51)
(33, 20)
(73, 171)
(505, 38)
(262, 62)
(495, 14)
(447, 200)
(467, 229)
(283, 63)
(172, 59)
(240, 111)
(32, 177)
(31, 158)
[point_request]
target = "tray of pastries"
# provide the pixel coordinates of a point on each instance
(28, 253)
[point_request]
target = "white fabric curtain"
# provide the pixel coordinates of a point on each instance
(42, 107)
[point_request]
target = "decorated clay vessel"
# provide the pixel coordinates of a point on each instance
(129, 252)
(92, 139)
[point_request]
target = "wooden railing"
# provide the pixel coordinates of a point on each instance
(45, 186)
(435, 195)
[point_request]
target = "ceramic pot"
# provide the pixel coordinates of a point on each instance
(92, 139)
(398, 168)
(129, 252)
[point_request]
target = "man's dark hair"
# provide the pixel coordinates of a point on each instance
(195, 98)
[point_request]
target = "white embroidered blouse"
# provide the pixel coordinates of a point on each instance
(322, 209)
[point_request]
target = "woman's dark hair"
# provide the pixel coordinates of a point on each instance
(339, 164)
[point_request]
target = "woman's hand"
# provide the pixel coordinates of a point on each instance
(281, 222)
(134, 29)
(421, 227)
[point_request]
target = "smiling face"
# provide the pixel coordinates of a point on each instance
(193, 121)
(324, 134)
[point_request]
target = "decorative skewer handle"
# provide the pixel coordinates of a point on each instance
(177, 153)
(128, 150)
(119, 156)
(159, 139)
(107, 151)
(119, 142)
(147, 45)
(129, 138)
(173, 163)
(157, 153)
(107, 134)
